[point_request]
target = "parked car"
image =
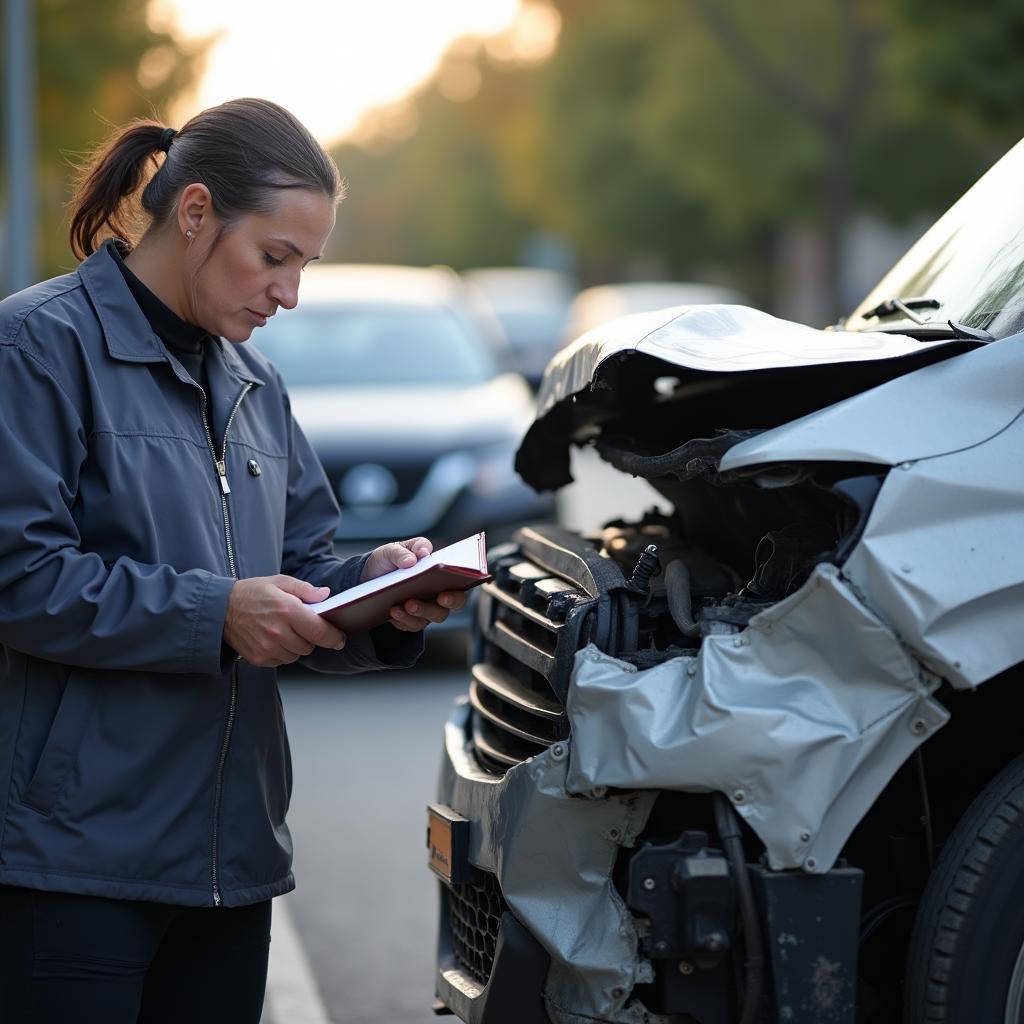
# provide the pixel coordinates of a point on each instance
(603, 303)
(532, 305)
(760, 758)
(409, 402)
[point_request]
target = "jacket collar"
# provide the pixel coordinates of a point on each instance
(125, 329)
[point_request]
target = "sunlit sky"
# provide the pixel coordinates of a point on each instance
(328, 61)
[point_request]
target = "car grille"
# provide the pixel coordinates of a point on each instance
(474, 915)
(549, 597)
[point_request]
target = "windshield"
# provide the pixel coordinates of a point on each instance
(971, 261)
(359, 346)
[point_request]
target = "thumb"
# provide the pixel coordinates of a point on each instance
(301, 589)
(398, 555)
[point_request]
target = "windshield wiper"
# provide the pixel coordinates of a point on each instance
(905, 306)
(966, 333)
(934, 331)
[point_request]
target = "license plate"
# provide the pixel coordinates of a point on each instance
(447, 844)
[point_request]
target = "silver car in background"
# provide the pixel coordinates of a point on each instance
(532, 304)
(410, 400)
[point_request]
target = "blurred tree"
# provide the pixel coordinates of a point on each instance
(99, 63)
(761, 117)
(969, 66)
(598, 183)
(434, 182)
(686, 137)
(808, 69)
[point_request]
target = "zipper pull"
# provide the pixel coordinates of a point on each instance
(222, 472)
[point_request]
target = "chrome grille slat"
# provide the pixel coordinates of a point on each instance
(517, 606)
(508, 722)
(552, 593)
(522, 650)
(508, 688)
(491, 752)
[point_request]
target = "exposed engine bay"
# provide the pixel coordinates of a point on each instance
(773, 679)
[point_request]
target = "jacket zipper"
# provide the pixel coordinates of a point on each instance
(221, 467)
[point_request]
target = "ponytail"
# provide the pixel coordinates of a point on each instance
(103, 201)
(244, 151)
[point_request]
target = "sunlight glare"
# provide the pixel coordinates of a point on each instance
(326, 62)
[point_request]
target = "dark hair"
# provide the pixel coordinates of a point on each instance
(243, 151)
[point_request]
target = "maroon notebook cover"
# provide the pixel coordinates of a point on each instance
(372, 609)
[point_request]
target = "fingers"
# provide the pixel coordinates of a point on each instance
(406, 553)
(453, 600)
(395, 555)
(414, 616)
(268, 622)
(291, 647)
(313, 629)
(400, 556)
(274, 646)
(419, 546)
(301, 589)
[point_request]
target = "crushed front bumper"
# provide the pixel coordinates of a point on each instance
(550, 856)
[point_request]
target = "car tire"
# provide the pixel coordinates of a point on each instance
(966, 961)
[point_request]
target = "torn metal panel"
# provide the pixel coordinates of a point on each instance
(714, 366)
(553, 856)
(942, 556)
(700, 456)
(906, 418)
(802, 720)
(716, 339)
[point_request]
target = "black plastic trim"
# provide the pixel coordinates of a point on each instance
(514, 993)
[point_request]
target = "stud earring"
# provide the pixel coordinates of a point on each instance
(188, 234)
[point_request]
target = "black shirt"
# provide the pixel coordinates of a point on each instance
(185, 340)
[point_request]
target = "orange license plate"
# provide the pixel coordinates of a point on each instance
(447, 844)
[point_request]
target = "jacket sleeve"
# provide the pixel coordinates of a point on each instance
(311, 518)
(67, 605)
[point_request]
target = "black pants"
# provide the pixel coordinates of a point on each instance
(85, 960)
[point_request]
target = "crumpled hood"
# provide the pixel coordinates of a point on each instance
(609, 375)
(938, 409)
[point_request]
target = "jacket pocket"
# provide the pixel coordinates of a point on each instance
(60, 752)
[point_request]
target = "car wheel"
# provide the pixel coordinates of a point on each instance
(966, 963)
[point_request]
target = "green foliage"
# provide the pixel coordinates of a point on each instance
(446, 193)
(740, 149)
(99, 63)
(688, 134)
(600, 185)
(966, 61)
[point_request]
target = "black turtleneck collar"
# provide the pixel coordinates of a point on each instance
(175, 333)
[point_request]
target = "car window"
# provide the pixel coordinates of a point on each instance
(355, 346)
(971, 260)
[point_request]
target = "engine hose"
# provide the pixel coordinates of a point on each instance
(729, 832)
(677, 589)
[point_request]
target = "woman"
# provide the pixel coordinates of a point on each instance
(163, 525)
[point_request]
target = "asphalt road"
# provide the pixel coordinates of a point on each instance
(365, 753)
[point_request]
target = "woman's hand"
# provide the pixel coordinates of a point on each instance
(414, 615)
(399, 554)
(268, 623)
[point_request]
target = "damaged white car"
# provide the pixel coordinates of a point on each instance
(760, 759)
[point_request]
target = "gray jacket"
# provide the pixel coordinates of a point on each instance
(139, 758)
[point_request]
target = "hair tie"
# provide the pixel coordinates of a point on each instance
(165, 139)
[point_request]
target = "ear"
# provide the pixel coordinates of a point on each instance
(195, 209)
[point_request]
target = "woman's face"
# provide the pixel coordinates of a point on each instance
(255, 267)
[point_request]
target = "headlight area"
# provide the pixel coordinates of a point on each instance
(641, 724)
